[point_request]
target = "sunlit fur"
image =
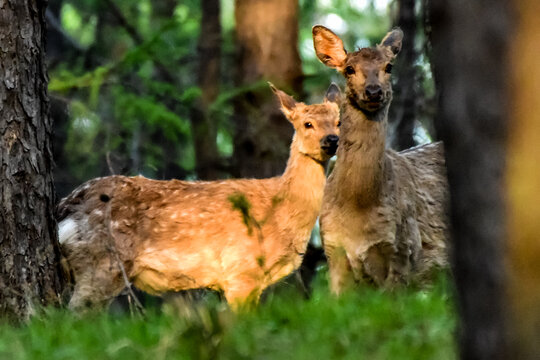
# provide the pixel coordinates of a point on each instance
(177, 235)
(383, 219)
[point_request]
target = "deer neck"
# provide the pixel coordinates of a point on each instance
(302, 188)
(360, 163)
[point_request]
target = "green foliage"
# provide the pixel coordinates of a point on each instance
(225, 143)
(367, 324)
(130, 108)
(66, 80)
(140, 93)
(83, 30)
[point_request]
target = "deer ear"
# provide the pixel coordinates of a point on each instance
(393, 41)
(287, 102)
(329, 47)
(333, 94)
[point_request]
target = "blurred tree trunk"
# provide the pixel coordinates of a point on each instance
(29, 273)
(203, 125)
(471, 73)
(404, 106)
(170, 169)
(64, 180)
(61, 48)
(523, 178)
(267, 49)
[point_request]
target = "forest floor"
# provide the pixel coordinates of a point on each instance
(372, 324)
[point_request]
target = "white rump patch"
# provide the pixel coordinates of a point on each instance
(67, 231)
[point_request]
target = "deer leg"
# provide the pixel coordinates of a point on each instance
(408, 248)
(243, 293)
(341, 274)
(376, 262)
(97, 286)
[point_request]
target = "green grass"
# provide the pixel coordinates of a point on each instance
(367, 324)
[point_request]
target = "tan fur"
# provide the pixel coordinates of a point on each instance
(383, 218)
(177, 235)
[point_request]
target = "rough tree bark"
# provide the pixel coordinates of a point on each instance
(266, 41)
(29, 257)
(203, 125)
(404, 106)
(470, 41)
(523, 178)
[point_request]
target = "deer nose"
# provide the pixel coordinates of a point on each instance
(329, 144)
(374, 92)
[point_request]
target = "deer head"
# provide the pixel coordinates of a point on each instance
(367, 70)
(316, 126)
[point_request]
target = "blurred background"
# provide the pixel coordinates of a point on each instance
(178, 89)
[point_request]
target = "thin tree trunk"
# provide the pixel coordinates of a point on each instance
(403, 110)
(203, 125)
(266, 42)
(29, 266)
(523, 178)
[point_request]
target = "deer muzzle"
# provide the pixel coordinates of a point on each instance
(373, 93)
(329, 144)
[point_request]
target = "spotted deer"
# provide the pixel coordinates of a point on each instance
(236, 236)
(383, 219)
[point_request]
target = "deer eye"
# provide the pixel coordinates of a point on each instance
(349, 70)
(339, 123)
(388, 69)
(308, 125)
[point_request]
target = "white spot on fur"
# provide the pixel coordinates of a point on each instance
(97, 212)
(68, 230)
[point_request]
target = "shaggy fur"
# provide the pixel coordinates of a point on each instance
(384, 214)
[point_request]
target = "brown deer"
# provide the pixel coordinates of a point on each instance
(236, 236)
(383, 219)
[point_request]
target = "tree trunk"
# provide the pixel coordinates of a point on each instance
(470, 42)
(29, 267)
(170, 169)
(523, 178)
(267, 49)
(202, 123)
(404, 105)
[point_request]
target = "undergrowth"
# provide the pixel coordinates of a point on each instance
(366, 324)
